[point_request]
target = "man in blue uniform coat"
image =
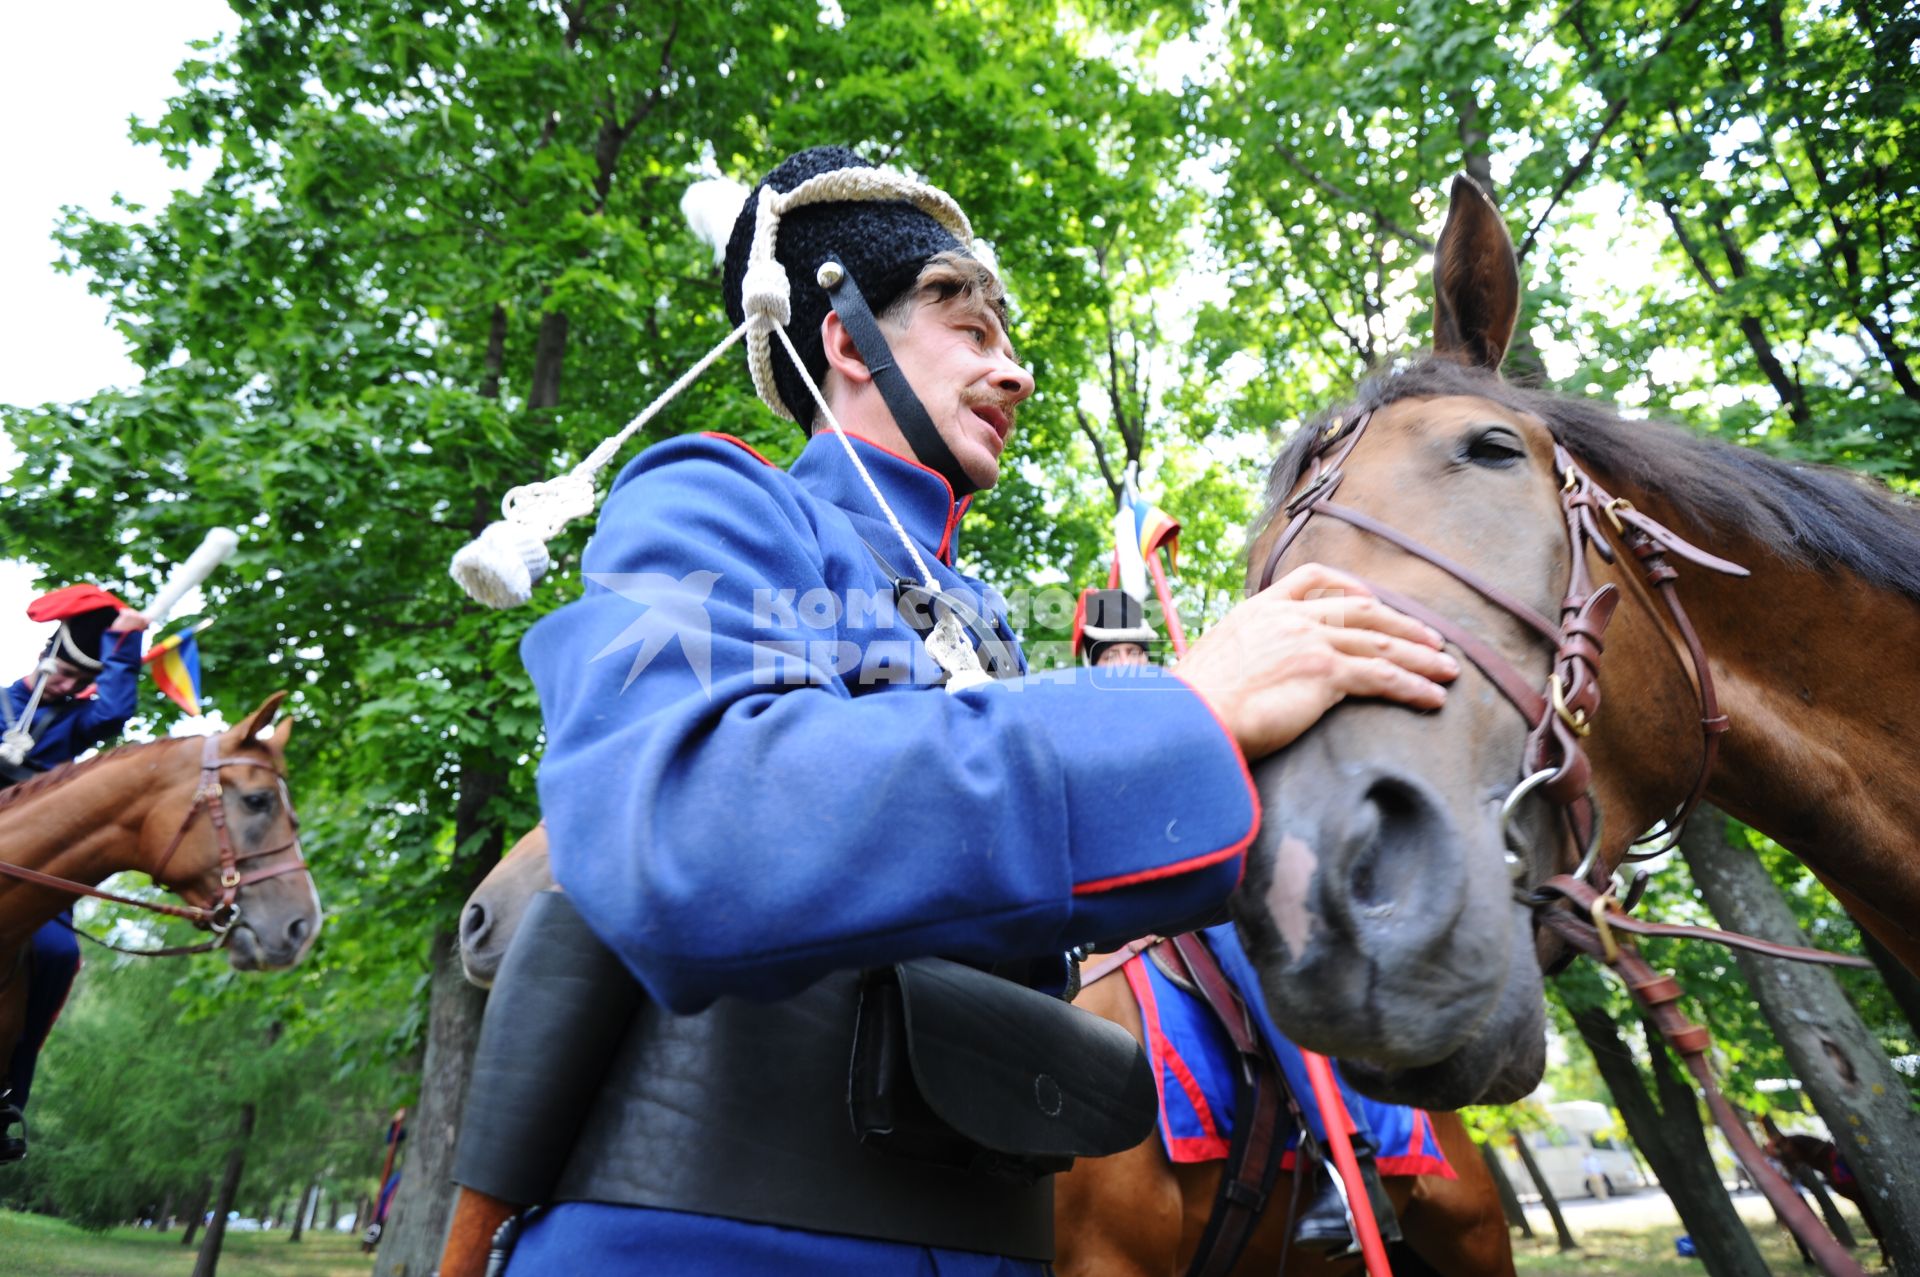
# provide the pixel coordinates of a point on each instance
(754, 778)
(52, 719)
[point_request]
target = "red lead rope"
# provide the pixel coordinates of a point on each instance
(1333, 1115)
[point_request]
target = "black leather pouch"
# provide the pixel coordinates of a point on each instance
(957, 1067)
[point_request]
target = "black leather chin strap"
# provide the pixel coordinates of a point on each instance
(922, 435)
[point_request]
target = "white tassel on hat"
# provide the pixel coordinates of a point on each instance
(711, 207)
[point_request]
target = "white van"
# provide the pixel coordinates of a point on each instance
(1584, 1153)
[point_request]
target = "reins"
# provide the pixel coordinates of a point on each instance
(221, 916)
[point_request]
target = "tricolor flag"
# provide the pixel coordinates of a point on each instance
(175, 662)
(1156, 528)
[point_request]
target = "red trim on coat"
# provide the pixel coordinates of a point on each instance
(739, 443)
(1195, 862)
(944, 553)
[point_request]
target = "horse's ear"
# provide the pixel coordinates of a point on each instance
(250, 727)
(276, 740)
(1476, 281)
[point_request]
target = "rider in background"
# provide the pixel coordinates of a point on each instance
(1113, 629)
(79, 695)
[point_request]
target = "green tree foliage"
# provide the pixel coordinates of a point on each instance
(136, 1098)
(440, 254)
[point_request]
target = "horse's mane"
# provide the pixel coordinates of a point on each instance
(1812, 515)
(54, 777)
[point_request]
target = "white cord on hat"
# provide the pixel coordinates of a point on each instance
(838, 187)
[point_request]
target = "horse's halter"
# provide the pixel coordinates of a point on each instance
(1561, 716)
(220, 916)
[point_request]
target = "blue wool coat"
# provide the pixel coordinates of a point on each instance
(63, 732)
(750, 782)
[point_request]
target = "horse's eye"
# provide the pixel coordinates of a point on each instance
(258, 802)
(1496, 449)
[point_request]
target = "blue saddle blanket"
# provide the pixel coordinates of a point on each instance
(1192, 1061)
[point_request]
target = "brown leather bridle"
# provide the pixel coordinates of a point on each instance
(1559, 719)
(1561, 714)
(220, 916)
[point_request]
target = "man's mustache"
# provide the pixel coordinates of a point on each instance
(1006, 405)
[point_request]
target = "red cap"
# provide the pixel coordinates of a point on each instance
(69, 601)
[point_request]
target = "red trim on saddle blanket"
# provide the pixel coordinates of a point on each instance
(1211, 1144)
(1192, 1076)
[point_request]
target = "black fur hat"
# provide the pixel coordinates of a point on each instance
(882, 243)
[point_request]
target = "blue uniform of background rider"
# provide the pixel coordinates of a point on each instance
(62, 725)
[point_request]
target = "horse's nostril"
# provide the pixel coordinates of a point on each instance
(1391, 832)
(474, 924)
(297, 930)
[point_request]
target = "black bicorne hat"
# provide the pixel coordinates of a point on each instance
(882, 243)
(78, 639)
(1108, 617)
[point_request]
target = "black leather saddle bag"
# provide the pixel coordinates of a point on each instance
(957, 1067)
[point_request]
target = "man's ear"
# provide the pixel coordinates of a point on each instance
(843, 356)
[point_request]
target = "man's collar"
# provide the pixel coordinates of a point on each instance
(920, 497)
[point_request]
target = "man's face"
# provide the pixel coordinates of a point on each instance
(1121, 654)
(959, 361)
(65, 680)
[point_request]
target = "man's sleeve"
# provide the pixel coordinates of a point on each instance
(115, 691)
(729, 836)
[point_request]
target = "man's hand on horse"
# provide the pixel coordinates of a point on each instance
(127, 621)
(1281, 659)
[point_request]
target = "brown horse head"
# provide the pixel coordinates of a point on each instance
(1380, 901)
(278, 908)
(492, 913)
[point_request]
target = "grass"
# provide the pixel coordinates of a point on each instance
(35, 1246)
(1648, 1252)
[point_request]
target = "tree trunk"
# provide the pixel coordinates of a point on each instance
(209, 1257)
(1547, 1199)
(1903, 984)
(1809, 1179)
(1509, 1200)
(1668, 1131)
(1841, 1065)
(307, 1202)
(549, 356)
(416, 1224)
(196, 1210)
(361, 1210)
(164, 1220)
